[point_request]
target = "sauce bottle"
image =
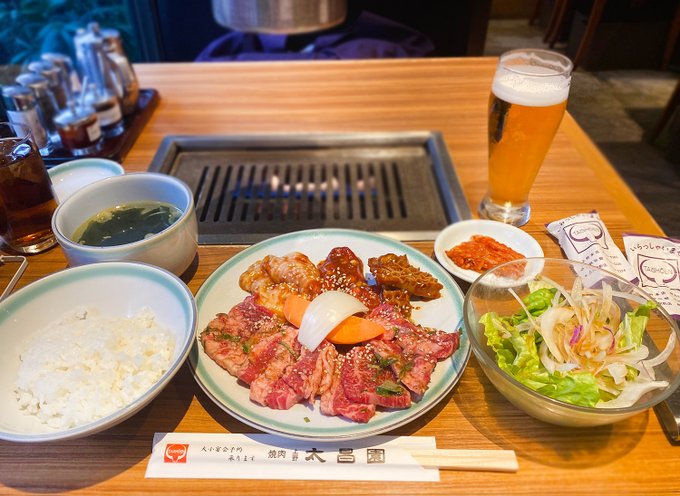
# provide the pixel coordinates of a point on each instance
(79, 129)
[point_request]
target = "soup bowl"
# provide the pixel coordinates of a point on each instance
(174, 248)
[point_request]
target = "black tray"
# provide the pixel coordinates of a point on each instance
(117, 148)
(249, 188)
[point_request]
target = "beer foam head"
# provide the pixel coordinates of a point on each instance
(521, 81)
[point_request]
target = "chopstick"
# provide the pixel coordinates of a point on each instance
(459, 459)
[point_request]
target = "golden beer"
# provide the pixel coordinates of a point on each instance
(528, 99)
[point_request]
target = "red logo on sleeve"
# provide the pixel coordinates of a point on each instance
(175, 453)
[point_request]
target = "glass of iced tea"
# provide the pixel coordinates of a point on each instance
(528, 98)
(26, 199)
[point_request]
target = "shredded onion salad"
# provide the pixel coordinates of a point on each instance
(577, 346)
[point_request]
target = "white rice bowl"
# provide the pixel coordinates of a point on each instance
(113, 292)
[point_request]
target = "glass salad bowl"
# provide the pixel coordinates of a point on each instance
(594, 351)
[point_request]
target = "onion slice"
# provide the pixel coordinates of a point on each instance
(324, 313)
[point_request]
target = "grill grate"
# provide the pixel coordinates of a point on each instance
(251, 188)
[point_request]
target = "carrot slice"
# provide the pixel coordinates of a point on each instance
(352, 330)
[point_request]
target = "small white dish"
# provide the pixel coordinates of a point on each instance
(459, 232)
(69, 177)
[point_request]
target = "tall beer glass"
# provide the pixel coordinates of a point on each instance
(528, 98)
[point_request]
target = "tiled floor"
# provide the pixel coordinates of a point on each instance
(616, 109)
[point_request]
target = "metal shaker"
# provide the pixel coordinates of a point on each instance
(101, 57)
(54, 76)
(68, 72)
(45, 100)
(113, 46)
(95, 64)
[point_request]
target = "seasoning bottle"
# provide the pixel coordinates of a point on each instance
(113, 46)
(22, 109)
(53, 75)
(47, 104)
(108, 110)
(69, 74)
(79, 129)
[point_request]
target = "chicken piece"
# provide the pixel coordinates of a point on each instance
(296, 270)
(257, 281)
(395, 271)
(273, 279)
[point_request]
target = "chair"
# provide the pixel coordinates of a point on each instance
(672, 105)
(563, 11)
(593, 22)
(559, 19)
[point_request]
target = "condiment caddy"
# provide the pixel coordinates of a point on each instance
(98, 110)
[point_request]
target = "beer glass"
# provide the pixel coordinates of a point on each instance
(528, 98)
(26, 199)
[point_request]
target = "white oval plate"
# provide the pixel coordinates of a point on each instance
(221, 292)
(69, 177)
(459, 232)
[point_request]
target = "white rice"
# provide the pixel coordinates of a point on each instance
(86, 366)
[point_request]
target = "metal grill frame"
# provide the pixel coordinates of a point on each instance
(434, 186)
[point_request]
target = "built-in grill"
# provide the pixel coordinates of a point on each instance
(248, 188)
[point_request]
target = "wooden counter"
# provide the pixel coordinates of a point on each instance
(449, 95)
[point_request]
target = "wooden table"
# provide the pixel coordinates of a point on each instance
(447, 95)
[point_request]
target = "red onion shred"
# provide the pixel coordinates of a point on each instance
(576, 335)
(611, 347)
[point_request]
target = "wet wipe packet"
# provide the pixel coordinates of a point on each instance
(584, 238)
(656, 261)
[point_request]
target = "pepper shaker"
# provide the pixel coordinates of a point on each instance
(53, 74)
(69, 74)
(22, 109)
(47, 104)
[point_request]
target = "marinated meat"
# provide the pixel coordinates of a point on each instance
(366, 380)
(226, 337)
(281, 396)
(296, 270)
(413, 371)
(400, 299)
(267, 388)
(344, 271)
(273, 279)
(413, 339)
(261, 353)
(335, 402)
(305, 375)
(411, 350)
(259, 348)
(257, 281)
(395, 271)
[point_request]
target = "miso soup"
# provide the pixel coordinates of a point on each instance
(126, 223)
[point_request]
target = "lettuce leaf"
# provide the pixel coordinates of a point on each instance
(577, 388)
(633, 325)
(536, 302)
(517, 355)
